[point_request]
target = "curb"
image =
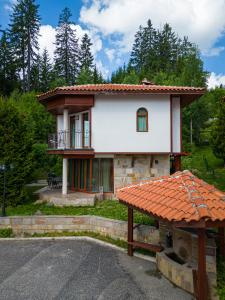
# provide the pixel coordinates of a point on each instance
(82, 238)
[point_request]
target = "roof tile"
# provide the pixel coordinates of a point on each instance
(177, 197)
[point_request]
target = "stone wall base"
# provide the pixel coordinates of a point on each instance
(114, 228)
(133, 168)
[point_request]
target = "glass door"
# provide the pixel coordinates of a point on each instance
(72, 132)
(85, 130)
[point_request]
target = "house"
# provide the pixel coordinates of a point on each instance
(111, 135)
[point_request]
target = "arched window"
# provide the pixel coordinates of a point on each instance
(142, 119)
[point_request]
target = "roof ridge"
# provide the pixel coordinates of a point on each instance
(191, 188)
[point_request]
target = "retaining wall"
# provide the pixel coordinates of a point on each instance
(114, 228)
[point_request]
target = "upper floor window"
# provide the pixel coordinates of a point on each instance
(142, 119)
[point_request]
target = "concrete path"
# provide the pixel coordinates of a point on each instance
(78, 269)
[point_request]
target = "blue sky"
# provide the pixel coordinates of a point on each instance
(112, 24)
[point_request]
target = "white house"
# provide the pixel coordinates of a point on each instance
(111, 135)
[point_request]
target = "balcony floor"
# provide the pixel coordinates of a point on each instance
(56, 198)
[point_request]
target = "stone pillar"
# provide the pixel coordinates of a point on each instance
(64, 179)
(66, 127)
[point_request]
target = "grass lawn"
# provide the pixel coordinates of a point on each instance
(195, 163)
(109, 209)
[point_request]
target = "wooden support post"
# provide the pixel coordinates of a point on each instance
(202, 277)
(130, 231)
(72, 186)
(221, 241)
(177, 163)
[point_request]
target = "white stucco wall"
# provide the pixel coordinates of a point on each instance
(114, 124)
(176, 124)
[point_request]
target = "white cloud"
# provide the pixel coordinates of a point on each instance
(216, 80)
(203, 21)
(9, 5)
(48, 33)
(47, 39)
(213, 51)
(110, 54)
(102, 69)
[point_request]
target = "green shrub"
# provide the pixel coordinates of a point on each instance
(6, 233)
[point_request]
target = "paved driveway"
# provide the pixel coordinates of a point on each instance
(78, 269)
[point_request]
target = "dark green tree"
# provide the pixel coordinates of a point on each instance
(15, 151)
(85, 76)
(131, 78)
(119, 75)
(86, 57)
(8, 76)
(137, 58)
(46, 72)
(24, 30)
(218, 132)
(97, 76)
(35, 74)
(67, 49)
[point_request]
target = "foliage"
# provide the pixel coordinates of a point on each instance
(6, 233)
(67, 49)
(164, 58)
(202, 113)
(15, 151)
(8, 74)
(108, 208)
(85, 76)
(221, 277)
(108, 239)
(86, 58)
(24, 30)
(218, 132)
(39, 121)
(131, 78)
(196, 163)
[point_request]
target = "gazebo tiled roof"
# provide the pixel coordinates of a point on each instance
(178, 197)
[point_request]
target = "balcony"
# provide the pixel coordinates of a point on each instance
(69, 142)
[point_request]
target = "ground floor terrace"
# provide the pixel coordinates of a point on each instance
(105, 173)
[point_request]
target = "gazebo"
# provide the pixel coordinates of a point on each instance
(184, 201)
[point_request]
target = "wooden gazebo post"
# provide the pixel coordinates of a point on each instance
(130, 231)
(202, 277)
(221, 241)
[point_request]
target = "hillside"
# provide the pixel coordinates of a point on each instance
(203, 163)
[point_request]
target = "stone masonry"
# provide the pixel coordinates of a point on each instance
(133, 168)
(114, 228)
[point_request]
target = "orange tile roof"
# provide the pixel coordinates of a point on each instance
(121, 88)
(178, 197)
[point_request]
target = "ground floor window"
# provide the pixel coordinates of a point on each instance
(91, 175)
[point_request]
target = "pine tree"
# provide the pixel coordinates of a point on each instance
(45, 72)
(85, 76)
(86, 57)
(35, 74)
(24, 30)
(97, 76)
(67, 49)
(167, 45)
(8, 75)
(137, 57)
(218, 132)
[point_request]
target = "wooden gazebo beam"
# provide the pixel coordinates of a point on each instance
(130, 231)
(221, 241)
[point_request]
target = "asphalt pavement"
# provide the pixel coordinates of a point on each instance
(80, 270)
